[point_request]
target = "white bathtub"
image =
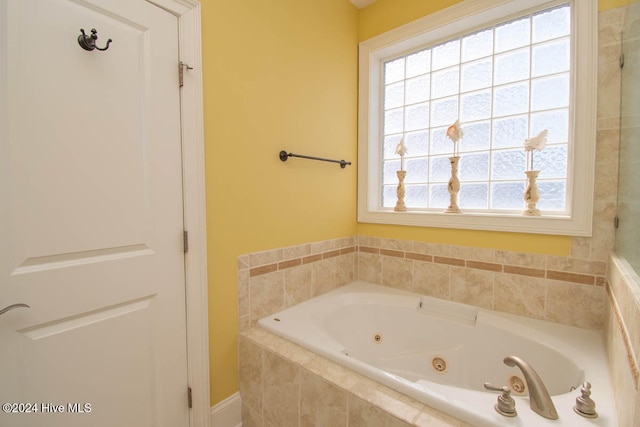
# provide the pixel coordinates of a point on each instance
(441, 353)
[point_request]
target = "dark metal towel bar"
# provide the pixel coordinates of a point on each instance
(284, 156)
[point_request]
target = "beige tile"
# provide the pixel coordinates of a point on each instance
(432, 249)
(523, 259)
(364, 414)
(431, 279)
(243, 262)
(473, 287)
(250, 418)
(432, 418)
(603, 237)
(607, 146)
(575, 304)
(250, 373)
(321, 404)
(293, 252)
(332, 372)
(265, 257)
(520, 295)
(609, 24)
(476, 254)
(580, 247)
(244, 307)
(281, 391)
(322, 246)
(266, 294)
(397, 272)
(274, 343)
(608, 81)
(323, 276)
(370, 267)
(398, 245)
(625, 393)
(345, 268)
(244, 323)
(297, 285)
(576, 265)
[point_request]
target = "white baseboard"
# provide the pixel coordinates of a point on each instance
(227, 413)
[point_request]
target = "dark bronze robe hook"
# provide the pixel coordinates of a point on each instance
(89, 42)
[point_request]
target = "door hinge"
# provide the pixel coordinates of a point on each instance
(189, 398)
(185, 241)
(181, 67)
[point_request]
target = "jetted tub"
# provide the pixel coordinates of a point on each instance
(441, 353)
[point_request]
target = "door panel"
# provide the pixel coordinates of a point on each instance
(91, 215)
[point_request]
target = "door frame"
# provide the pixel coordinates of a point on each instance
(191, 110)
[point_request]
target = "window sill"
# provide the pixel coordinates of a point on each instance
(579, 225)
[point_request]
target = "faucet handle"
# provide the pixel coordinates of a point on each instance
(585, 406)
(506, 405)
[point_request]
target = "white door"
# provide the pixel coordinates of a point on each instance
(91, 216)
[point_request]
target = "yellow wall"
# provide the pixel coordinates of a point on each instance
(282, 74)
(277, 75)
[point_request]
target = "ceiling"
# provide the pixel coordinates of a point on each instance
(361, 3)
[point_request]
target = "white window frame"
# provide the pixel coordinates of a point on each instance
(446, 24)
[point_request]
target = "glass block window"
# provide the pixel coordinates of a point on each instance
(504, 83)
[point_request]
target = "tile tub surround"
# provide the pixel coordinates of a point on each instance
(622, 333)
(270, 281)
(283, 384)
(560, 289)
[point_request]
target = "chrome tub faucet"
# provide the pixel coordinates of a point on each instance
(539, 398)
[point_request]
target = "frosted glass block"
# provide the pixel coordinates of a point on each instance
(474, 167)
(444, 111)
(417, 143)
(556, 122)
(511, 66)
(389, 196)
(417, 170)
(552, 196)
(394, 71)
(550, 92)
(510, 132)
(475, 106)
(508, 164)
(552, 161)
(394, 95)
(440, 169)
(417, 117)
(389, 168)
(389, 146)
(477, 45)
(438, 196)
(550, 58)
(445, 82)
(419, 63)
(473, 196)
(476, 137)
(415, 196)
(510, 100)
(512, 35)
(440, 144)
(446, 54)
(418, 89)
(551, 24)
(476, 75)
(507, 195)
(393, 121)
